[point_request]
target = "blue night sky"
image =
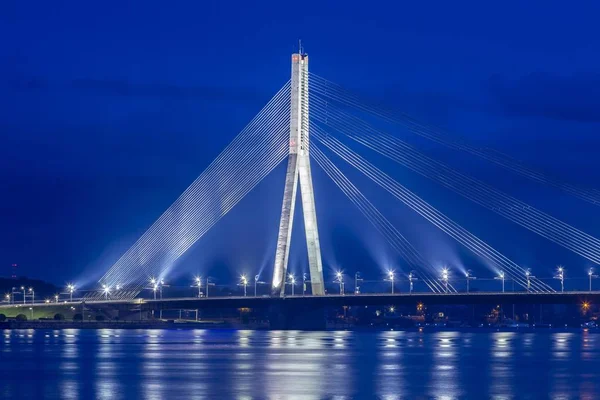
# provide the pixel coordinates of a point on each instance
(108, 111)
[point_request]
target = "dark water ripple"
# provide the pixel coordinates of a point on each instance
(201, 364)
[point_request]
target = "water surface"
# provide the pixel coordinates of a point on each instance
(203, 364)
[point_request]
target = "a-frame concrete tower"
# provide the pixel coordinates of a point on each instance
(298, 168)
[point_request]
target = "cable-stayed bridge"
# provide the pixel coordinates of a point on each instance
(311, 119)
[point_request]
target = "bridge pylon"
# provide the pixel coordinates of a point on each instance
(298, 169)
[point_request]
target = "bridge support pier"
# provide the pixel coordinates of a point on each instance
(298, 316)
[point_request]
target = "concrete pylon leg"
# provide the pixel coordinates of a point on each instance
(310, 227)
(298, 168)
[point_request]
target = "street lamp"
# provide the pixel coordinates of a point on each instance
(292, 281)
(71, 289)
(198, 284)
(244, 283)
(304, 280)
(208, 283)
(160, 288)
(31, 309)
(561, 277)
(445, 278)
(391, 278)
(24, 294)
(469, 278)
(32, 295)
(339, 278)
(7, 297)
(501, 277)
(528, 276)
(106, 290)
(411, 280)
(591, 276)
(56, 298)
(256, 278)
(357, 278)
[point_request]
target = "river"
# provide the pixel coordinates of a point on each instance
(233, 364)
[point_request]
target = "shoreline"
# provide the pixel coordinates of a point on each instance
(172, 325)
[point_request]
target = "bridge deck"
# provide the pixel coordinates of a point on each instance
(336, 300)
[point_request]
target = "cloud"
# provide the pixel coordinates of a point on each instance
(574, 98)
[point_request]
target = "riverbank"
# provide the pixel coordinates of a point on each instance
(156, 324)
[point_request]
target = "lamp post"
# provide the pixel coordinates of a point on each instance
(560, 275)
(304, 280)
(244, 283)
(32, 295)
(591, 276)
(528, 276)
(160, 288)
(411, 280)
(501, 277)
(391, 278)
(445, 278)
(13, 292)
(56, 298)
(469, 277)
(292, 282)
(106, 291)
(71, 289)
(357, 278)
(339, 278)
(198, 284)
(24, 294)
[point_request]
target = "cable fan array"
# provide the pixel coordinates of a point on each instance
(334, 115)
(342, 96)
(333, 110)
(245, 162)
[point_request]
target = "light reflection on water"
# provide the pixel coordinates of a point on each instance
(201, 364)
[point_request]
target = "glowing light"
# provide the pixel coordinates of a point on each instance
(445, 273)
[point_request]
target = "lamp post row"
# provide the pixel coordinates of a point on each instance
(157, 285)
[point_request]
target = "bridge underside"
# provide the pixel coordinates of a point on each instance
(352, 300)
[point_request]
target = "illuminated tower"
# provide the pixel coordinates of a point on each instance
(298, 168)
